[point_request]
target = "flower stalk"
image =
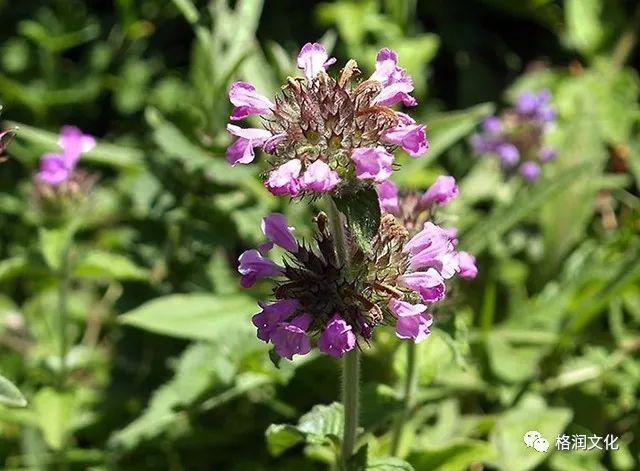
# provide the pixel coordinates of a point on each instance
(407, 400)
(63, 315)
(350, 401)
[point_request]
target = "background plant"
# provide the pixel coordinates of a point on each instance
(165, 370)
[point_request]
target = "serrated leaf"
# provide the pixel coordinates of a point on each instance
(10, 395)
(321, 424)
(362, 212)
(194, 316)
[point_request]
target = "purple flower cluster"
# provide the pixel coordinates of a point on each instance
(517, 136)
(58, 168)
(324, 132)
(432, 255)
(287, 323)
(403, 274)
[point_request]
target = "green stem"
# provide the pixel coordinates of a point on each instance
(350, 400)
(407, 400)
(627, 41)
(351, 360)
(63, 292)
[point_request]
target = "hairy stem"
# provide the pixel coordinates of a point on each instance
(407, 400)
(63, 292)
(351, 360)
(350, 400)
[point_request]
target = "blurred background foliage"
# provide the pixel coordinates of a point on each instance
(165, 371)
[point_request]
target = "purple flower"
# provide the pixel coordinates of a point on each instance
(337, 337)
(74, 144)
(53, 169)
(536, 106)
(372, 163)
(241, 151)
(431, 237)
(313, 58)
(441, 192)
(492, 125)
(247, 101)
(530, 171)
(428, 284)
(467, 263)
(482, 145)
(271, 315)
(412, 138)
(275, 228)
(413, 323)
(396, 83)
(547, 154)
(388, 196)
(284, 179)
(319, 177)
(508, 153)
(290, 338)
(253, 266)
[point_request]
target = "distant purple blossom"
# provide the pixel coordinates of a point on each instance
(57, 168)
(517, 137)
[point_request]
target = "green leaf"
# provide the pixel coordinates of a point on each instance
(10, 395)
(321, 425)
(194, 316)
(507, 435)
(54, 413)
(53, 243)
(362, 212)
(282, 437)
(101, 264)
(388, 464)
(584, 27)
(455, 456)
(503, 218)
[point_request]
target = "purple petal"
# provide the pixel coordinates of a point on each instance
(275, 228)
(53, 169)
(247, 101)
(441, 192)
(312, 59)
(372, 163)
(319, 178)
(284, 180)
(337, 337)
(412, 138)
(388, 196)
(254, 266)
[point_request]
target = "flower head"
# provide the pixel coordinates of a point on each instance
(340, 131)
(517, 136)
